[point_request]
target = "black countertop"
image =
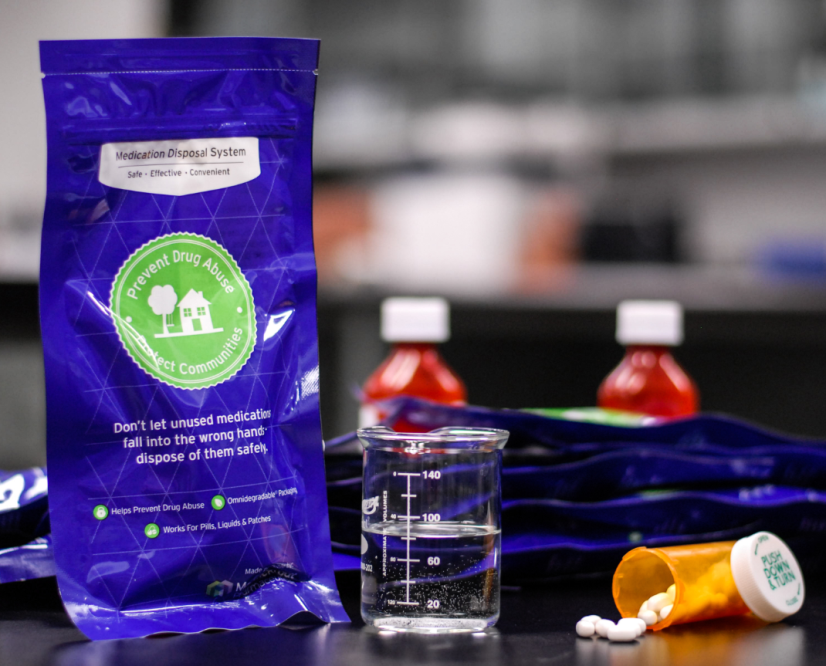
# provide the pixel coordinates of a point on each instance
(536, 627)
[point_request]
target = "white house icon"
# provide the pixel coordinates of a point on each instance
(195, 316)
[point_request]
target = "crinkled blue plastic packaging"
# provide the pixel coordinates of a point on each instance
(25, 543)
(178, 314)
(28, 561)
(24, 507)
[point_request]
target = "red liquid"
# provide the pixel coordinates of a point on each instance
(649, 381)
(416, 369)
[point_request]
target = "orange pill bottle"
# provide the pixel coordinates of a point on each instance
(758, 574)
(414, 367)
(649, 380)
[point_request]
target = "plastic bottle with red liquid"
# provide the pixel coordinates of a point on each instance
(414, 327)
(649, 380)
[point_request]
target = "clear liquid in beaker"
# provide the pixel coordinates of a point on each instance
(430, 577)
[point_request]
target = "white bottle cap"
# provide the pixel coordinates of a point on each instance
(767, 576)
(649, 322)
(415, 320)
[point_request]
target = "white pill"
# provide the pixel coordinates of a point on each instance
(624, 634)
(585, 628)
(665, 611)
(643, 608)
(649, 617)
(658, 601)
(593, 619)
(603, 626)
(672, 591)
(632, 622)
(643, 626)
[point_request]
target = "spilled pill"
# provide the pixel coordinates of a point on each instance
(603, 626)
(622, 633)
(593, 619)
(634, 623)
(585, 628)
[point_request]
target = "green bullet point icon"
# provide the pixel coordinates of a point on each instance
(152, 530)
(219, 502)
(100, 512)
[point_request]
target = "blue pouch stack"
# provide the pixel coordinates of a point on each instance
(578, 494)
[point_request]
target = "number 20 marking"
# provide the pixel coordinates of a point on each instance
(433, 603)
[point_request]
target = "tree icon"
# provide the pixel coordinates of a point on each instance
(162, 300)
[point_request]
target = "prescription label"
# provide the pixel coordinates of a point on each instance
(180, 167)
(184, 311)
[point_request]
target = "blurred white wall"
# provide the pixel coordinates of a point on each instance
(22, 120)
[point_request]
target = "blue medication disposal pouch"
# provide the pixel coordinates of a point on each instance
(177, 301)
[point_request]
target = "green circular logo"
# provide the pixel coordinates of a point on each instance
(151, 530)
(184, 311)
(100, 512)
(218, 502)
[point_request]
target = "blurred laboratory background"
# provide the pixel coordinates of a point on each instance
(534, 161)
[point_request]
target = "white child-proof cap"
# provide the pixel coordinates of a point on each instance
(649, 323)
(767, 576)
(406, 319)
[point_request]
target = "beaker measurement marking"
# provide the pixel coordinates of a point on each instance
(408, 517)
(409, 520)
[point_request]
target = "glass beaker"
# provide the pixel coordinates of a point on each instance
(430, 530)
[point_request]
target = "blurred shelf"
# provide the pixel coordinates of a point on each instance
(491, 132)
(602, 286)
